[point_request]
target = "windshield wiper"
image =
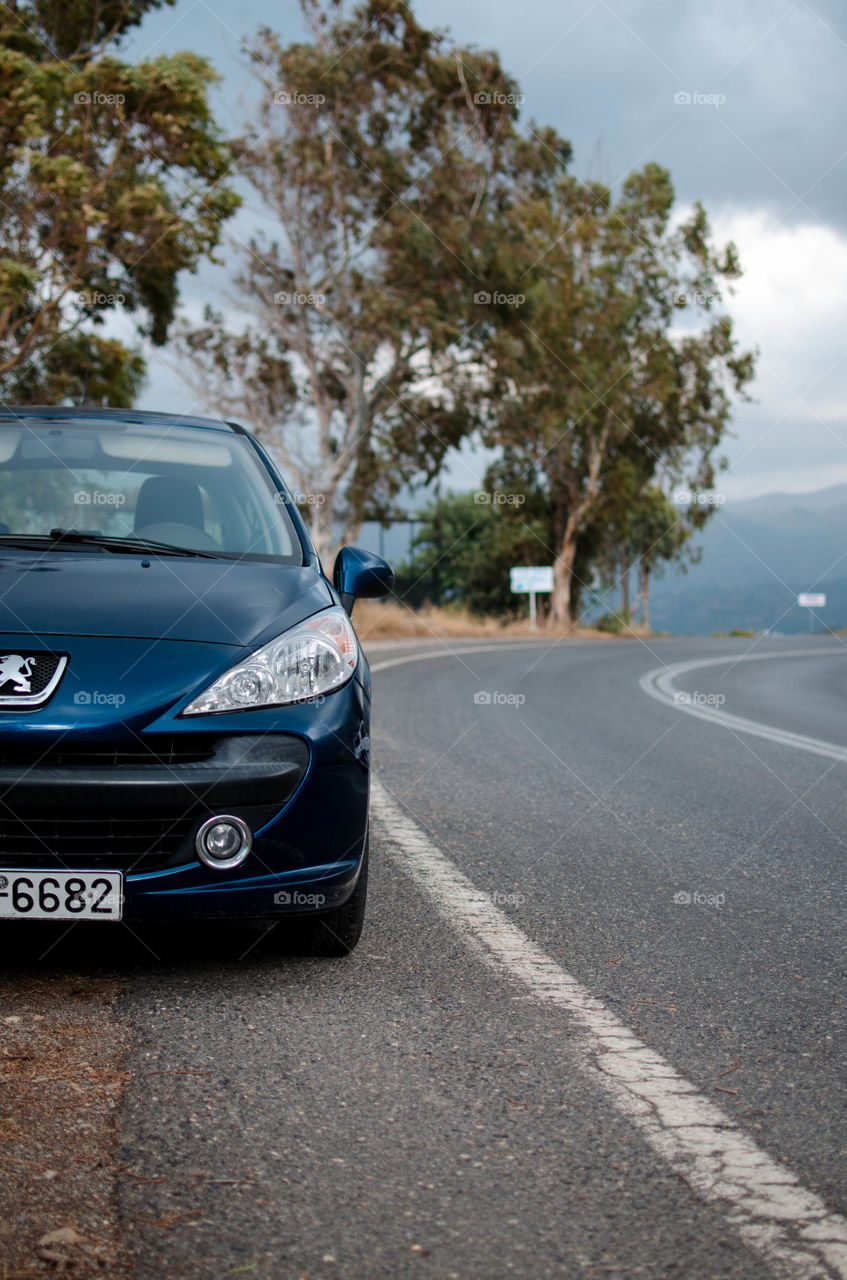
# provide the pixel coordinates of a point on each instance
(58, 537)
(127, 544)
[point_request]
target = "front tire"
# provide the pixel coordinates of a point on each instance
(328, 933)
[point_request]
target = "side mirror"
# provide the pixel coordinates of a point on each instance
(360, 573)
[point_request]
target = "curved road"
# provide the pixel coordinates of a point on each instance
(594, 1027)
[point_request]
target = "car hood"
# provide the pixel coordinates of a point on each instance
(228, 602)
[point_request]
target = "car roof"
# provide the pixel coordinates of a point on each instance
(92, 413)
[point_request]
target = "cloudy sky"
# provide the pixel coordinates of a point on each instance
(745, 102)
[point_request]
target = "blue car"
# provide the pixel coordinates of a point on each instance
(184, 704)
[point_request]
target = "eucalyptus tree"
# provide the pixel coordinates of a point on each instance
(377, 161)
(112, 182)
(624, 349)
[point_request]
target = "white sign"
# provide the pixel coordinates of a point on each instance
(807, 600)
(527, 579)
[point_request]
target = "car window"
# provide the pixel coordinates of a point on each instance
(191, 487)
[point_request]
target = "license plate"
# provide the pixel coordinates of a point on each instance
(60, 895)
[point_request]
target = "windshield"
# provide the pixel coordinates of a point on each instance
(194, 488)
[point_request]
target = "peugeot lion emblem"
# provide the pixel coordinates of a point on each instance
(28, 679)
(17, 669)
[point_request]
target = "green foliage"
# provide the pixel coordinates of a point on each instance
(655, 532)
(614, 623)
(82, 367)
(636, 526)
(111, 183)
(465, 547)
(74, 28)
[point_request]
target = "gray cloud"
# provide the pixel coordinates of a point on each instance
(606, 73)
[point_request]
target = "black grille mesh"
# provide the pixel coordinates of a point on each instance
(144, 844)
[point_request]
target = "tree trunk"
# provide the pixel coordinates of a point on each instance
(645, 596)
(565, 598)
(624, 565)
(581, 500)
(562, 599)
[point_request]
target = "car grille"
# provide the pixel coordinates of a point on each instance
(144, 844)
(135, 805)
(164, 749)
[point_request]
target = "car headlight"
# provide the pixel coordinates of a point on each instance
(311, 659)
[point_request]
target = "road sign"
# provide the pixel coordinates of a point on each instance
(807, 599)
(527, 579)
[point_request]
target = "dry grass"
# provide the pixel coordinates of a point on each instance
(378, 620)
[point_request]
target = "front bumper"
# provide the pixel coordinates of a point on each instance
(298, 776)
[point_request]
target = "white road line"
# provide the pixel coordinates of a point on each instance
(499, 646)
(763, 1201)
(659, 684)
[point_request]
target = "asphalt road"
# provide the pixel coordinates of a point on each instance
(418, 1110)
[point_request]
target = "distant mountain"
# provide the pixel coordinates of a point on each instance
(771, 504)
(758, 555)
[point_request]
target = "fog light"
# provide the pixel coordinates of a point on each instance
(223, 842)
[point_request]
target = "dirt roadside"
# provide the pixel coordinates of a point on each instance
(61, 1078)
